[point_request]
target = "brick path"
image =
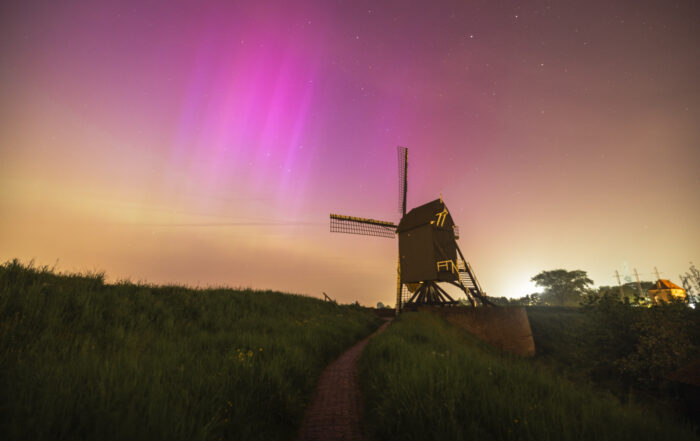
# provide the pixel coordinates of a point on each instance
(334, 414)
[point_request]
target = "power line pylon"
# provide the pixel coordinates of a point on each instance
(639, 284)
(619, 284)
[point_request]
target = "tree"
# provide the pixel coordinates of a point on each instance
(500, 301)
(562, 287)
(630, 293)
(691, 282)
(534, 299)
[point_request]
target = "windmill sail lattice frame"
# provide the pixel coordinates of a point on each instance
(361, 226)
(403, 178)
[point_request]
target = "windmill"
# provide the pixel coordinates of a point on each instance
(428, 249)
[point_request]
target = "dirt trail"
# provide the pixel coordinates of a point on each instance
(334, 414)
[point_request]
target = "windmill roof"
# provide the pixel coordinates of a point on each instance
(665, 284)
(422, 215)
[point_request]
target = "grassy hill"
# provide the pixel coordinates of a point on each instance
(82, 359)
(423, 379)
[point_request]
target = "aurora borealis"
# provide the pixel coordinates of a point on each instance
(206, 142)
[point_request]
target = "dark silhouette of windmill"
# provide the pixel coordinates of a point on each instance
(428, 250)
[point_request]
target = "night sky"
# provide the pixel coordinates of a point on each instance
(206, 142)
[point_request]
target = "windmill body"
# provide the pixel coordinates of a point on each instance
(426, 237)
(428, 250)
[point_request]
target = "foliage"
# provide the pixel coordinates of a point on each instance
(630, 293)
(663, 345)
(622, 347)
(562, 287)
(80, 359)
(691, 283)
(528, 300)
(501, 301)
(644, 345)
(423, 379)
(563, 339)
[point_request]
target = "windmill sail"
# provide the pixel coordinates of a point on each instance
(362, 226)
(403, 178)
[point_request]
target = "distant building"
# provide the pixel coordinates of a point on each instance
(667, 291)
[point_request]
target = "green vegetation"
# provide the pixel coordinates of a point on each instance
(625, 348)
(83, 360)
(563, 340)
(423, 379)
(691, 283)
(562, 287)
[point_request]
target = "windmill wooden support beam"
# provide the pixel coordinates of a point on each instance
(430, 293)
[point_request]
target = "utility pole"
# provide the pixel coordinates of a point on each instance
(639, 284)
(657, 273)
(619, 285)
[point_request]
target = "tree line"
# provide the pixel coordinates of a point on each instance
(561, 287)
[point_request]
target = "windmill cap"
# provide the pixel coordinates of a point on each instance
(423, 215)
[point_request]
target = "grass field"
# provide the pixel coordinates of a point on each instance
(83, 360)
(423, 379)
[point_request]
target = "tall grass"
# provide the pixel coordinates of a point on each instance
(83, 360)
(423, 379)
(564, 339)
